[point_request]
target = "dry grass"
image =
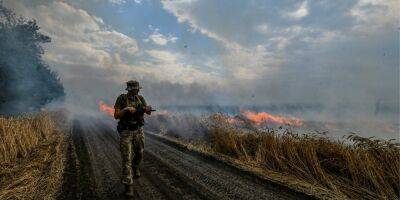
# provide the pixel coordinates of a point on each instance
(31, 156)
(355, 168)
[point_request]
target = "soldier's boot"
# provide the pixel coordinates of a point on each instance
(136, 172)
(128, 191)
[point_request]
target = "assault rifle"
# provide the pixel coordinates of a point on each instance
(133, 124)
(140, 109)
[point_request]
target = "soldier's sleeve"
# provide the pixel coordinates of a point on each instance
(142, 100)
(119, 103)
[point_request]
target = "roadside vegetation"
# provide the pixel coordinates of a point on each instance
(354, 168)
(31, 156)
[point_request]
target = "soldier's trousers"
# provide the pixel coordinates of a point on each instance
(131, 146)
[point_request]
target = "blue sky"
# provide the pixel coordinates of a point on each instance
(225, 52)
(141, 20)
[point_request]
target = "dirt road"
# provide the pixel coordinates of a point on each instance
(168, 172)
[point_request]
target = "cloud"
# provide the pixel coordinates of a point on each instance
(182, 10)
(117, 1)
(373, 15)
(164, 56)
(242, 62)
(174, 69)
(121, 2)
(157, 38)
(262, 28)
(284, 59)
(78, 37)
(301, 12)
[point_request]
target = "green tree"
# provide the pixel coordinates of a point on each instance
(26, 82)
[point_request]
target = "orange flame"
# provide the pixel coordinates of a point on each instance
(264, 118)
(106, 108)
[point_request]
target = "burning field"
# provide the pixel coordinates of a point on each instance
(353, 167)
(264, 118)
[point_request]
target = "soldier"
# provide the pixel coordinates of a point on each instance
(129, 109)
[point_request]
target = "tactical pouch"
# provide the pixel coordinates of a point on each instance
(128, 126)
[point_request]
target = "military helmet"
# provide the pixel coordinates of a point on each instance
(133, 85)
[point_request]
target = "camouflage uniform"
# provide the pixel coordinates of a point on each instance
(132, 146)
(131, 137)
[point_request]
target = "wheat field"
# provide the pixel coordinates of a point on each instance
(352, 168)
(31, 156)
(364, 168)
